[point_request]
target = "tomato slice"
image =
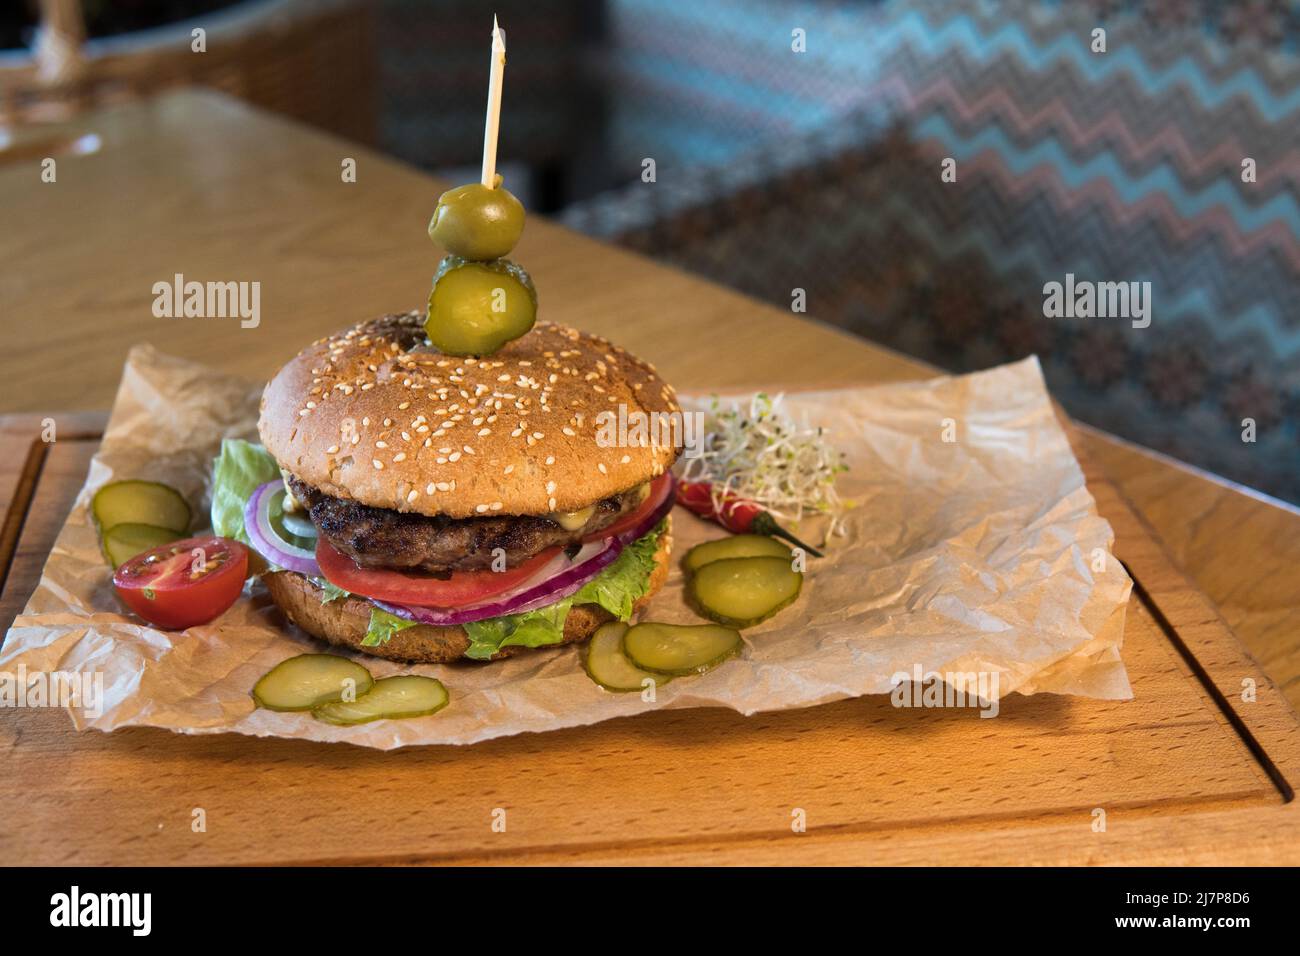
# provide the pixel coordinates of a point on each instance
(183, 583)
(462, 589)
(660, 488)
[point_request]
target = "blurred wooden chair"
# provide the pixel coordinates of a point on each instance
(313, 60)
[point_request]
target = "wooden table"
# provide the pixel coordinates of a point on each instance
(200, 185)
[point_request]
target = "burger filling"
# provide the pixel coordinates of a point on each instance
(439, 550)
(380, 538)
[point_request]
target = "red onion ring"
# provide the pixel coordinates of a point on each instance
(265, 542)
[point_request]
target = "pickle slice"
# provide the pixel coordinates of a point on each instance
(140, 502)
(392, 698)
(477, 307)
(737, 546)
(310, 680)
(608, 666)
(122, 542)
(680, 649)
(742, 592)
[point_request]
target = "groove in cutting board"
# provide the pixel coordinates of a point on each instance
(16, 515)
(1220, 701)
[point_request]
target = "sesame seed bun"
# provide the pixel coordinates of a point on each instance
(376, 414)
(344, 622)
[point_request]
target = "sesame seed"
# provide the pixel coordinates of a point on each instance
(302, 412)
(381, 444)
(550, 459)
(550, 487)
(538, 435)
(568, 431)
(412, 495)
(443, 486)
(429, 488)
(379, 465)
(551, 504)
(332, 450)
(508, 469)
(400, 456)
(454, 456)
(625, 459)
(497, 506)
(602, 469)
(480, 508)
(483, 432)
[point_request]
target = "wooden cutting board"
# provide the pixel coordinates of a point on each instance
(1186, 772)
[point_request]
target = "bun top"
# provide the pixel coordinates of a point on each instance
(377, 415)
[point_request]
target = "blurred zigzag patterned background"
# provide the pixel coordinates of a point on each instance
(820, 170)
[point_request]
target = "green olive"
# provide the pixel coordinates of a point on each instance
(475, 222)
(477, 307)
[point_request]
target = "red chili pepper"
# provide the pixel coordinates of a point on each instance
(738, 515)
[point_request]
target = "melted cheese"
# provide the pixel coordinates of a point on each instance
(575, 520)
(572, 520)
(291, 503)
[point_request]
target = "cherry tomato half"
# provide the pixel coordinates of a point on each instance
(462, 589)
(184, 583)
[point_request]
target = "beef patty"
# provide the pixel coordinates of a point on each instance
(380, 538)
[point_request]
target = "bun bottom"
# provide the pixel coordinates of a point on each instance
(344, 622)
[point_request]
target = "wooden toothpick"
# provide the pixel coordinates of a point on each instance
(493, 122)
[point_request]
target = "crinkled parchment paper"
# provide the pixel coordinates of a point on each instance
(971, 555)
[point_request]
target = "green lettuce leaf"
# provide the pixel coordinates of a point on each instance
(239, 470)
(530, 629)
(330, 592)
(383, 626)
(616, 589)
(624, 582)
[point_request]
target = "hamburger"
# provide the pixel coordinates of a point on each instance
(424, 507)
